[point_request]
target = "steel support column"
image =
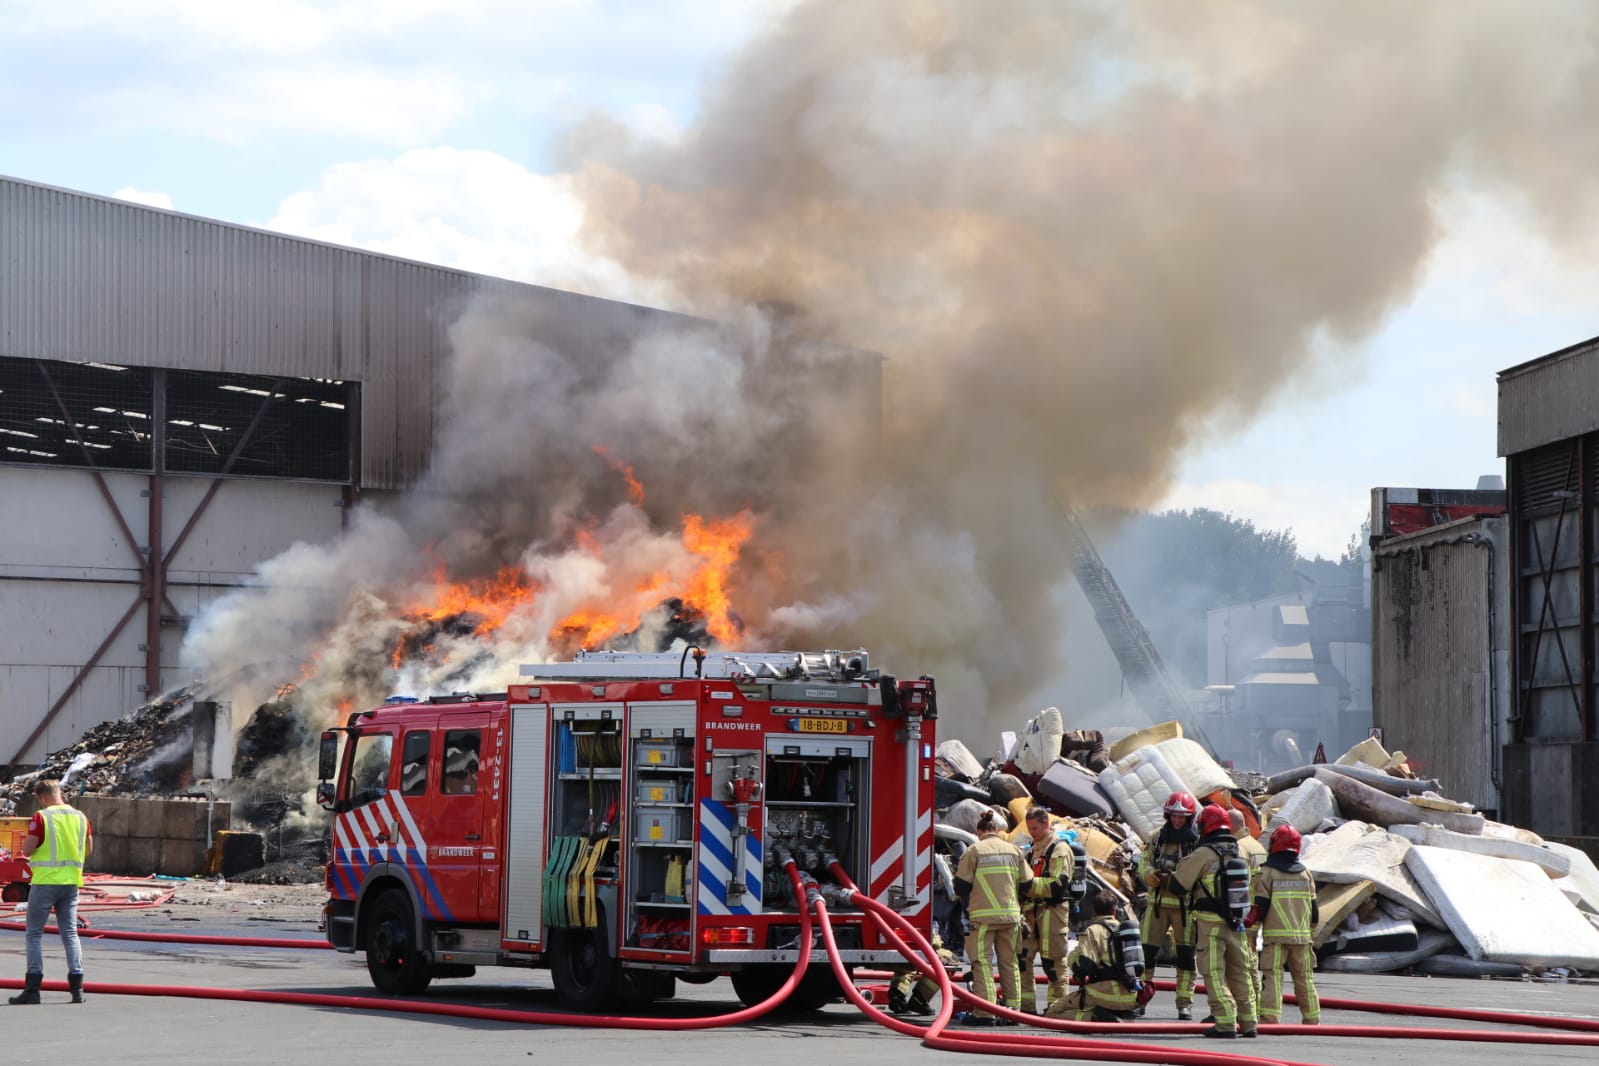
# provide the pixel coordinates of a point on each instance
(155, 591)
(1585, 594)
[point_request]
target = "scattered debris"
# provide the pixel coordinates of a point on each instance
(1402, 869)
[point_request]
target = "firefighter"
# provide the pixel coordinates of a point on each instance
(1165, 913)
(1047, 909)
(1105, 990)
(912, 991)
(1285, 905)
(1220, 911)
(991, 877)
(1254, 854)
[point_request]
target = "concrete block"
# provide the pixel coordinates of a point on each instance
(183, 819)
(113, 817)
(110, 855)
(144, 855)
(147, 818)
(181, 858)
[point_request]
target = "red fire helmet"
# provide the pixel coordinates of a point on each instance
(1212, 818)
(1181, 803)
(1285, 838)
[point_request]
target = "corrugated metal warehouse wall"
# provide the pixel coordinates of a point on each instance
(88, 279)
(1549, 434)
(1440, 661)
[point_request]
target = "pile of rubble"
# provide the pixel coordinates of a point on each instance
(147, 752)
(1408, 880)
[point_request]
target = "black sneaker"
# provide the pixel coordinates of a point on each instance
(896, 1002)
(1220, 1033)
(1248, 1034)
(919, 1006)
(1185, 1014)
(978, 1021)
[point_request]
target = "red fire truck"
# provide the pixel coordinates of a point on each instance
(624, 819)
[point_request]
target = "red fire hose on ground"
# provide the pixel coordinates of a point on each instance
(1580, 1031)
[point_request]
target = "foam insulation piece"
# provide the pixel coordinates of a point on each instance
(1552, 863)
(1358, 800)
(1430, 942)
(1139, 785)
(958, 758)
(1335, 903)
(1307, 807)
(1144, 737)
(1583, 878)
(1504, 910)
(1193, 764)
(1039, 745)
(1356, 851)
(1369, 752)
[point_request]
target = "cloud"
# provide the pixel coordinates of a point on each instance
(149, 199)
(471, 210)
(392, 74)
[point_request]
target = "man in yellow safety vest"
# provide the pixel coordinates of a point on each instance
(58, 843)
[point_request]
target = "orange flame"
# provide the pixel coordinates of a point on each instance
(719, 543)
(490, 601)
(635, 490)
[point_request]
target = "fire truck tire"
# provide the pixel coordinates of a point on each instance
(586, 976)
(394, 962)
(816, 989)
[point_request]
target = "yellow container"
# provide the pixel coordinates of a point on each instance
(1148, 735)
(12, 833)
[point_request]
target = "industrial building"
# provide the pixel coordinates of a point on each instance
(1549, 436)
(182, 399)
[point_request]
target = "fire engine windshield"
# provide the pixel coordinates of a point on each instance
(369, 768)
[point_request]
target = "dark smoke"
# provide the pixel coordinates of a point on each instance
(1081, 234)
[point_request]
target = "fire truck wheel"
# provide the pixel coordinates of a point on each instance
(586, 976)
(394, 962)
(816, 989)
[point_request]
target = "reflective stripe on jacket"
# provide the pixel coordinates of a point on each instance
(1293, 899)
(58, 860)
(995, 868)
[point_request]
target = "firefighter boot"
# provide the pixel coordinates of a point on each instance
(30, 990)
(75, 986)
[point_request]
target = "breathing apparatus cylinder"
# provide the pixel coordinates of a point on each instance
(1235, 890)
(1078, 890)
(1130, 943)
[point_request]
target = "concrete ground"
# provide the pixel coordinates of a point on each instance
(141, 1029)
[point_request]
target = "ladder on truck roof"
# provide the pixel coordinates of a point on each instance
(757, 665)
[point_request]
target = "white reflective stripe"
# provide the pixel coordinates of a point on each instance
(413, 835)
(882, 863)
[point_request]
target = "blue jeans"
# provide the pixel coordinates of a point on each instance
(63, 899)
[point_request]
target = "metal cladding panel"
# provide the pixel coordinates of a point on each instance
(524, 829)
(86, 278)
(1440, 654)
(1549, 399)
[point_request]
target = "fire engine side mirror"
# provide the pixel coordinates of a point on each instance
(324, 795)
(328, 756)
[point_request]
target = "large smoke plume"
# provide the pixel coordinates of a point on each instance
(1082, 234)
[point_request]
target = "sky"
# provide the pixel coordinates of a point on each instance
(444, 132)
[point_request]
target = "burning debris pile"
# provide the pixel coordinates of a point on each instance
(1408, 881)
(147, 752)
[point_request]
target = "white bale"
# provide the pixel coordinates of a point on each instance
(1307, 807)
(1504, 910)
(1583, 878)
(1552, 863)
(1039, 745)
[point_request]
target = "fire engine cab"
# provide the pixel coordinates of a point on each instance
(625, 819)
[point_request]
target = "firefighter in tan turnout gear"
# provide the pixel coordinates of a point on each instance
(1165, 913)
(991, 877)
(1047, 909)
(1215, 880)
(1107, 968)
(1285, 906)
